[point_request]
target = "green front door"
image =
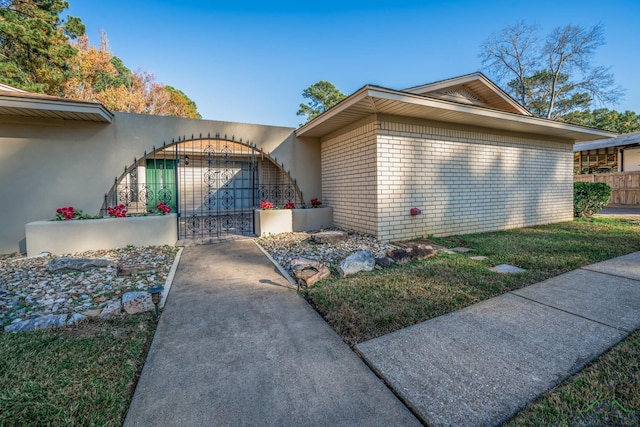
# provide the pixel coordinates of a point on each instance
(161, 184)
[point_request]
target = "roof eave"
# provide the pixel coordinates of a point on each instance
(462, 111)
(56, 106)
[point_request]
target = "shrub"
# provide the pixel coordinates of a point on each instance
(589, 198)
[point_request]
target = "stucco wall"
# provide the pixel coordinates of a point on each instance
(464, 180)
(46, 164)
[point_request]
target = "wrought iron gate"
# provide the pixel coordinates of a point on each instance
(214, 184)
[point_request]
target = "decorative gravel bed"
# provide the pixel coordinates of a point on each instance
(285, 247)
(28, 290)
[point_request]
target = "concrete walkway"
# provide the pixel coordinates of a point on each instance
(236, 346)
(479, 366)
(620, 211)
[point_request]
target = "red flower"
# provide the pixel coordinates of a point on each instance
(266, 205)
(162, 208)
(290, 205)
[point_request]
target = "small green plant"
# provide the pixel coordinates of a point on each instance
(589, 198)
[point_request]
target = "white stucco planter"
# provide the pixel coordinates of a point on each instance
(312, 219)
(274, 221)
(63, 237)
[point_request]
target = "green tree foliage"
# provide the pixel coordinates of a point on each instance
(321, 96)
(34, 47)
(553, 75)
(603, 118)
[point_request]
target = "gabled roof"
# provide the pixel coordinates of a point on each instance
(446, 102)
(472, 89)
(620, 141)
(18, 102)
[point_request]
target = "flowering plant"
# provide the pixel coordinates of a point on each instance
(290, 205)
(161, 209)
(316, 203)
(118, 211)
(66, 213)
(266, 205)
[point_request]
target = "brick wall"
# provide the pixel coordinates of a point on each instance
(348, 168)
(468, 181)
(464, 181)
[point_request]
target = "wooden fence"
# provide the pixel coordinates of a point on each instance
(625, 186)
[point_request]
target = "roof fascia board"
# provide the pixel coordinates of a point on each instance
(620, 141)
(458, 81)
(380, 92)
(57, 105)
(394, 95)
(356, 97)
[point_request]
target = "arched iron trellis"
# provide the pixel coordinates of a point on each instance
(213, 183)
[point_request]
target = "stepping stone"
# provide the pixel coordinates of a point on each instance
(462, 250)
(507, 269)
(478, 258)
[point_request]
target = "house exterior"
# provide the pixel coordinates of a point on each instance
(461, 151)
(613, 161)
(619, 154)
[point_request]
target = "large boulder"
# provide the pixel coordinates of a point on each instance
(309, 271)
(356, 262)
(66, 265)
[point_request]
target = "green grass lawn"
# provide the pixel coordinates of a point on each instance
(368, 305)
(83, 375)
(605, 393)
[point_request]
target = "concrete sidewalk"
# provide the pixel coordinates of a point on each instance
(237, 346)
(479, 366)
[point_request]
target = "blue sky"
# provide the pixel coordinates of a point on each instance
(246, 61)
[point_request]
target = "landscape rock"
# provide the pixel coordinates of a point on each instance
(112, 309)
(356, 262)
(325, 237)
(93, 312)
(309, 271)
(137, 302)
(28, 290)
(75, 318)
(133, 269)
(50, 321)
(384, 261)
(411, 252)
(66, 265)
